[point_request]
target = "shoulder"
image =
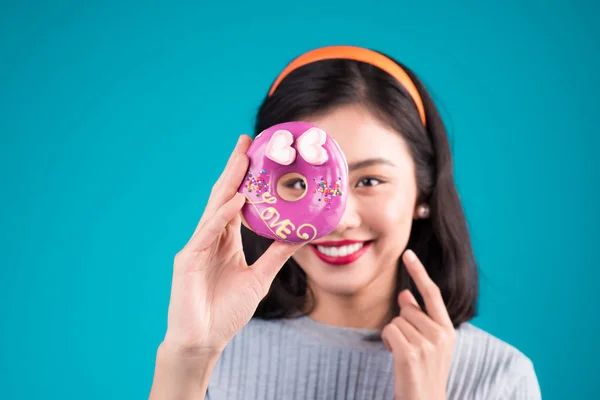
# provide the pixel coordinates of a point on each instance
(244, 360)
(499, 369)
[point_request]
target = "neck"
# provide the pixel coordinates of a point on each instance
(369, 308)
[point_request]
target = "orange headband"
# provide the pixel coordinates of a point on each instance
(357, 54)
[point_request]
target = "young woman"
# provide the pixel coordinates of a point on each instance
(378, 309)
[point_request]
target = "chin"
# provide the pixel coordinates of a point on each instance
(347, 285)
(337, 278)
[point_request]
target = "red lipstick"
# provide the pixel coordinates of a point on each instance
(341, 260)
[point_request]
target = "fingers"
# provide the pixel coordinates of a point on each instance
(409, 331)
(269, 264)
(230, 179)
(411, 313)
(214, 226)
(394, 339)
(233, 174)
(434, 303)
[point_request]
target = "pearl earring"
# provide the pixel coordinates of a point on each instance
(423, 211)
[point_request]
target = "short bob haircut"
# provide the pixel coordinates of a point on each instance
(441, 241)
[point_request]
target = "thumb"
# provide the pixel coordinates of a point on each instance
(269, 264)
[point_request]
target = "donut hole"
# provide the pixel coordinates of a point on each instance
(292, 186)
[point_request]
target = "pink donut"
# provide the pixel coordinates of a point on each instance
(296, 185)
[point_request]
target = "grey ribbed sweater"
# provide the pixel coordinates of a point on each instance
(305, 359)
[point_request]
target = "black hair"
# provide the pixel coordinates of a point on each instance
(442, 241)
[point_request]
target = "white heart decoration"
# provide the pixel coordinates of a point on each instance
(280, 147)
(310, 146)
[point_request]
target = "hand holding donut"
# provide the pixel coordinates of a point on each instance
(214, 292)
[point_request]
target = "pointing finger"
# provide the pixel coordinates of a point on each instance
(430, 292)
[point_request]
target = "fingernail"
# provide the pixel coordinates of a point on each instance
(238, 141)
(410, 255)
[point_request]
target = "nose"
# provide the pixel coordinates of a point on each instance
(350, 218)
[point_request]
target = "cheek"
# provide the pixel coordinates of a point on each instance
(303, 257)
(391, 216)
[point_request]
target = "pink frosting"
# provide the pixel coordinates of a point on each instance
(295, 147)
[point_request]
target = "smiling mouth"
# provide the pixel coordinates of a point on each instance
(341, 253)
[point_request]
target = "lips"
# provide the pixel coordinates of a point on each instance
(341, 252)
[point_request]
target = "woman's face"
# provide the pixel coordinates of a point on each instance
(361, 254)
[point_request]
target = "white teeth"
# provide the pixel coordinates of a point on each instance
(340, 251)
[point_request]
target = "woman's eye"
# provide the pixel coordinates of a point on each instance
(297, 184)
(368, 182)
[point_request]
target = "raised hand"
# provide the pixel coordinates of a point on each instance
(422, 343)
(214, 292)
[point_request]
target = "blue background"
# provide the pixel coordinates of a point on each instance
(116, 118)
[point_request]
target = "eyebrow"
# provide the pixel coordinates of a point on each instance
(369, 162)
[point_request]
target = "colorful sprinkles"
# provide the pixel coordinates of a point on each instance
(327, 192)
(258, 183)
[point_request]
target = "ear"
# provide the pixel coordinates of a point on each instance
(416, 212)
